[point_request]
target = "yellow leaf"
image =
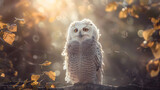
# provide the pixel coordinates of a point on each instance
(1, 47)
(35, 77)
(147, 44)
(2, 75)
(147, 33)
(24, 84)
(15, 73)
(155, 47)
(135, 15)
(153, 67)
(154, 73)
(150, 44)
(49, 85)
(129, 1)
(34, 83)
(111, 7)
(52, 75)
(132, 12)
(21, 22)
(13, 28)
(123, 13)
(46, 63)
(154, 21)
(15, 85)
(156, 50)
(52, 86)
(8, 37)
(1, 25)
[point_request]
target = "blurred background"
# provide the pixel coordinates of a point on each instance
(41, 34)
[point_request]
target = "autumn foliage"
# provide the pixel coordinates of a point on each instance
(33, 34)
(151, 36)
(12, 35)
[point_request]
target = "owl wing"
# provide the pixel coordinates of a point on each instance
(99, 63)
(98, 56)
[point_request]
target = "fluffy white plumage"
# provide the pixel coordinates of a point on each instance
(83, 53)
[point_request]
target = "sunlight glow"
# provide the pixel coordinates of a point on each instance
(46, 4)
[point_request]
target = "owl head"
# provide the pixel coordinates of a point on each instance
(82, 30)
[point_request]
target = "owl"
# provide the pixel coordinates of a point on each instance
(83, 53)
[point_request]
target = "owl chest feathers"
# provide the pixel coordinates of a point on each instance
(83, 49)
(81, 61)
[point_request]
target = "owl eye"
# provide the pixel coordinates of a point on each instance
(85, 29)
(76, 30)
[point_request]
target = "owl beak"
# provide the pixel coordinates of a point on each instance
(80, 34)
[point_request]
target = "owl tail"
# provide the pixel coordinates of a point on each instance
(99, 77)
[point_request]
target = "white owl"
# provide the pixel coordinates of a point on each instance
(83, 53)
